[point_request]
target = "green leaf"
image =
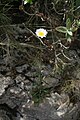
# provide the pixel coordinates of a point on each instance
(77, 3)
(68, 23)
(29, 1)
(61, 29)
(74, 29)
(78, 22)
(68, 37)
(69, 33)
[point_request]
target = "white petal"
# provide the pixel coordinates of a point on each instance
(41, 30)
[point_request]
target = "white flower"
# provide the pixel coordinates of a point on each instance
(41, 32)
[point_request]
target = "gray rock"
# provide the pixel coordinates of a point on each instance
(19, 78)
(20, 69)
(4, 82)
(50, 81)
(3, 115)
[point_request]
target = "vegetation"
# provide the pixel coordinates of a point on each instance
(61, 21)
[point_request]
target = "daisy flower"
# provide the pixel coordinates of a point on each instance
(41, 32)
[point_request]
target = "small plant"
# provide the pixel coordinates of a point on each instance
(69, 29)
(39, 93)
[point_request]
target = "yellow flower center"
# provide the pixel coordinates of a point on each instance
(41, 34)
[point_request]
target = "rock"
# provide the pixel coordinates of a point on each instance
(77, 73)
(19, 78)
(4, 82)
(47, 110)
(3, 115)
(6, 113)
(50, 81)
(61, 102)
(22, 68)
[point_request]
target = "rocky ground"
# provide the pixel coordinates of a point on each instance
(29, 87)
(16, 102)
(16, 84)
